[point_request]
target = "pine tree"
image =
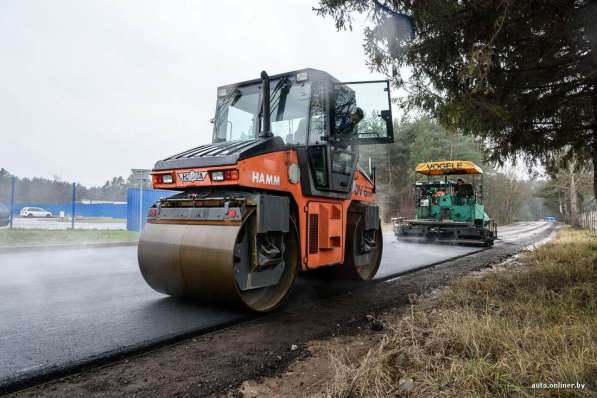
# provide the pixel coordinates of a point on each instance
(521, 75)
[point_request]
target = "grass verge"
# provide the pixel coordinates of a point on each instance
(37, 237)
(94, 220)
(492, 335)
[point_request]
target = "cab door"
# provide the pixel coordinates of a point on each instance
(362, 112)
(352, 114)
(361, 116)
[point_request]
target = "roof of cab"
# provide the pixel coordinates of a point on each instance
(314, 74)
(448, 167)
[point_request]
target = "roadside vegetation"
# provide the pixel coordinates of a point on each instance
(508, 196)
(37, 237)
(491, 335)
(44, 190)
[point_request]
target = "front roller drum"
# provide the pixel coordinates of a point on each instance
(202, 262)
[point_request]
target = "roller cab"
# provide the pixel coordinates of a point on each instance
(277, 192)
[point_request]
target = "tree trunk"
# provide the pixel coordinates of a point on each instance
(573, 195)
(595, 164)
(594, 149)
(592, 35)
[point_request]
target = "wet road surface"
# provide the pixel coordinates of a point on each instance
(64, 308)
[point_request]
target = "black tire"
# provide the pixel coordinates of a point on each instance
(29, 215)
(489, 241)
(361, 261)
(269, 298)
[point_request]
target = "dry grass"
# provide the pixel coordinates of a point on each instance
(494, 335)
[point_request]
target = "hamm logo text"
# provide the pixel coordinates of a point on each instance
(264, 178)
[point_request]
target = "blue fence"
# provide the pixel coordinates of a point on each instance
(113, 210)
(129, 210)
(150, 196)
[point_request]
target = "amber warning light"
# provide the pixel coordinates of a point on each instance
(223, 175)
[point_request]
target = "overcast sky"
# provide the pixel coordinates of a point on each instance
(91, 89)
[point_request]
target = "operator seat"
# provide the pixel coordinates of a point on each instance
(465, 190)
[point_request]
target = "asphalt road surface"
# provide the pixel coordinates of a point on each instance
(60, 309)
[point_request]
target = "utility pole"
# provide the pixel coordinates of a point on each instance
(72, 222)
(12, 199)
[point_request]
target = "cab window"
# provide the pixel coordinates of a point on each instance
(290, 109)
(362, 113)
(317, 128)
(317, 136)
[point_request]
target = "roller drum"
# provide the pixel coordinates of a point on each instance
(192, 261)
(198, 261)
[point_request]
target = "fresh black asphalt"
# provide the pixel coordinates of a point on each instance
(63, 308)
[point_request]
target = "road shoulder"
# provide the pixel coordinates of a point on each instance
(521, 327)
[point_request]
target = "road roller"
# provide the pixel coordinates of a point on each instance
(278, 191)
(449, 206)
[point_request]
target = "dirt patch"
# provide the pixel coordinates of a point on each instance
(219, 362)
(310, 376)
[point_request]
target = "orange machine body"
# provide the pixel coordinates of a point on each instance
(270, 172)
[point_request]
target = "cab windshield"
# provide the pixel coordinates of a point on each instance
(237, 112)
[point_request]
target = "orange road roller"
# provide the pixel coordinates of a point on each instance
(278, 191)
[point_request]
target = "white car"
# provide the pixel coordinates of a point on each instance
(34, 212)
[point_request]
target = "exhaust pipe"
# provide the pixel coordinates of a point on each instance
(266, 127)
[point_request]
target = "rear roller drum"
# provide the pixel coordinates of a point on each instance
(363, 250)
